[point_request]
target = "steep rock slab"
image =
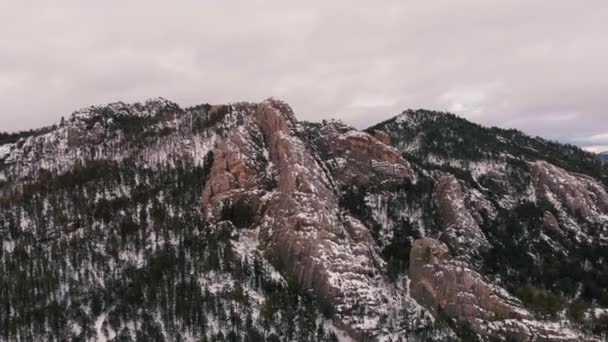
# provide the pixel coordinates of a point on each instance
(578, 194)
(461, 231)
(300, 226)
(358, 158)
(447, 286)
(237, 163)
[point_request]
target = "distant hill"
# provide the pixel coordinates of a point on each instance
(604, 155)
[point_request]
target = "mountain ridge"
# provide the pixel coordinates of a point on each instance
(155, 105)
(526, 146)
(342, 228)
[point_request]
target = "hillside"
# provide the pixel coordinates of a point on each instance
(238, 222)
(436, 136)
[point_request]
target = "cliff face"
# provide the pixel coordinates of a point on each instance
(300, 226)
(360, 159)
(390, 240)
(521, 212)
(461, 232)
(577, 194)
(445, 285)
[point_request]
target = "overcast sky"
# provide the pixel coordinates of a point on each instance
(537, 65)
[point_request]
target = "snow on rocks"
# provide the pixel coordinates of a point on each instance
(578, 194)
(300, 226)
(461, 231)
(363, 158)
(441, 283)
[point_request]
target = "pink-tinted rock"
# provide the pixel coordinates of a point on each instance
(579, 194)
(452, 287)
(460, 229)
(361, 159)
(441, 284)
(383, 137)
(301, 227)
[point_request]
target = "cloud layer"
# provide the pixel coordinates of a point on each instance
(534, 65)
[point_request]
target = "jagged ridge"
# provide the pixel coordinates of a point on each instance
(342, 212)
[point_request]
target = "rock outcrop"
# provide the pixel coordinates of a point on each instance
(444, 285)
(77, 137)
(440, 283)
(578, 194)
(460, 230)
(289, 190)
(358, 158)
(339, 210)
(300, 226)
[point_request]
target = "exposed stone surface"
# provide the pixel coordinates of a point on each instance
(437, 282)
(383, 137)
(296, 169)
(551, 223)
(579, 194)
(461, 231)
(281, 184)
(77, 136)
(442, 284)
(300, 225)
(302, 231)
(234, 165)
(360, 158)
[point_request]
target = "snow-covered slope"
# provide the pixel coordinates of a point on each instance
(238, 222)
(540, 206)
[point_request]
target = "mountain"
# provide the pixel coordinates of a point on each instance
(238, 222)
(604, 155)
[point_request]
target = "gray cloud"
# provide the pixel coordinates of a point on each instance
(534, 65)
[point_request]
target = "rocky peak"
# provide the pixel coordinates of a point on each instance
(296, 168)
(149, 108)
(149, 133)
(300, 226)
(359, 158)
(419, 256)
